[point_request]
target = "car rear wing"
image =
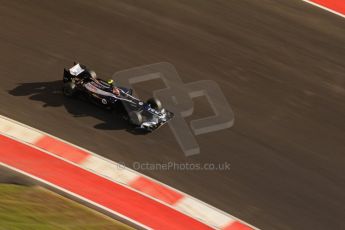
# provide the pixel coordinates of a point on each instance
(74, 71)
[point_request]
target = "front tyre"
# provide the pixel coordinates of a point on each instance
(69, 89)
(135, 118)
(155, 104)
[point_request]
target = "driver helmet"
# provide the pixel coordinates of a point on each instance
(110, 81)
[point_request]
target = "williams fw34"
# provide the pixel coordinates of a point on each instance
(80, 82)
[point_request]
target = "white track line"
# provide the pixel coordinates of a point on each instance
(325, 8)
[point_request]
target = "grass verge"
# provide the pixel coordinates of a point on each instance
(33, 207)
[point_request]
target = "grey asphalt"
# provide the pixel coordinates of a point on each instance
(280, 65)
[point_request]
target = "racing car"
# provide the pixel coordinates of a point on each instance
(81, 82)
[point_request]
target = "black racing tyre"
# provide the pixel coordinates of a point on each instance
(66, 76)
(135, 118)
(69, 89)
(93, 74)
(155, 103)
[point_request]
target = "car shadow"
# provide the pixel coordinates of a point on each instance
(50, 93)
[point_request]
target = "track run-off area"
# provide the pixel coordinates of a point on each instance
(126, 194)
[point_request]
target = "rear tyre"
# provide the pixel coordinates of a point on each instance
(69, 89)
(135, 118)
(155, 103)
(66, 76)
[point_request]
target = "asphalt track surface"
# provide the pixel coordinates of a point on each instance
(280, 65)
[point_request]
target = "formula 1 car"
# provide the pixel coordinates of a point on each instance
(79, 81)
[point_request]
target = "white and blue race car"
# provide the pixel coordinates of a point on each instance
(79, 81)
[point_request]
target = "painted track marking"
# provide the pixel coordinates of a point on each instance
(82, 182)
(334, 6)
(124, 176)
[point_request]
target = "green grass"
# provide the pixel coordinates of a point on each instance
(23, 207)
